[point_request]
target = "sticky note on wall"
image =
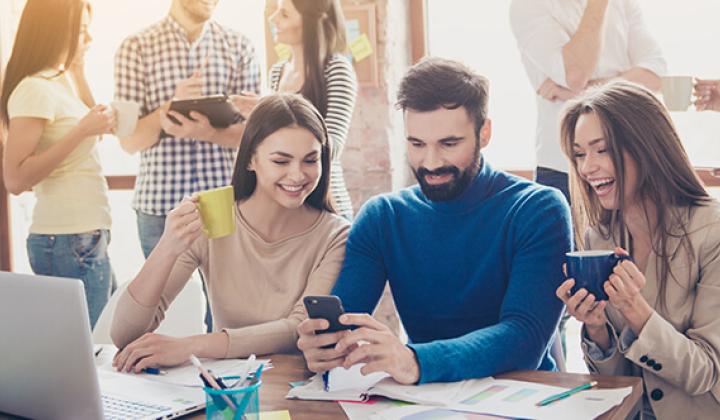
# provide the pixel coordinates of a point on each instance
(361, 48)
(283, 51)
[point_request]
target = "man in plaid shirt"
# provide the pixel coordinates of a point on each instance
(184, 55)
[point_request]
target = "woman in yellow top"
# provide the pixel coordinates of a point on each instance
(288, 243)
(53, 128)
(634, 186)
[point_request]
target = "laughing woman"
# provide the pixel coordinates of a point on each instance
(634, 186)
(288, 243)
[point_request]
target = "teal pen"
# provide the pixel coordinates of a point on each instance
(566, 394)
(246, 399)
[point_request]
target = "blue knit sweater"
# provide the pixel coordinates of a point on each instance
(473, 279)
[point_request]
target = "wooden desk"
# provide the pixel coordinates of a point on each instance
(288, 368)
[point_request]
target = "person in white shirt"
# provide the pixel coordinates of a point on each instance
(568, 45)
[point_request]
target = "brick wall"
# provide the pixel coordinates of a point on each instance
(373, 159)
(374, 156)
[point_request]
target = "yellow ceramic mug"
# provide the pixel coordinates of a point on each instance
(217, 209)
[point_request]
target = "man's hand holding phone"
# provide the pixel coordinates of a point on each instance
(373, 343)
(330, 338)
(321, 331)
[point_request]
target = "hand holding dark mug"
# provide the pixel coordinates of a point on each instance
(591, 269)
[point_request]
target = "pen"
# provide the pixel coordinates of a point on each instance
(97, 352)
(246, 398)
(258, 373)
(246, 371)
(213, 383)
(154, 371)
(566, 394)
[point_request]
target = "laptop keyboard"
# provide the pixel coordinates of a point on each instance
(120, 409)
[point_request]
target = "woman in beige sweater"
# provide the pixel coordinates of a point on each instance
(634, 185)
(288, 243)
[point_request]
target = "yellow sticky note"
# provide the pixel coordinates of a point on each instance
(283, 51)
(275, 415)
(361, 48)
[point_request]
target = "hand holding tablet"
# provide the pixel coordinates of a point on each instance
(217, 108)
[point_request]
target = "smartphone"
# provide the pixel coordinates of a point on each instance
(326, 307)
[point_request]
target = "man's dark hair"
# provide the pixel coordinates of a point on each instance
(436, 82)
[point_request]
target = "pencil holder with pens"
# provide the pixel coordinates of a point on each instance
(241, 403)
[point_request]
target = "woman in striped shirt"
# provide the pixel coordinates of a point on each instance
(315, 30)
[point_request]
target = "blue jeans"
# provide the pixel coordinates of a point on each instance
(552, 178)
(556, 179)
(81, 256)
(150, 229)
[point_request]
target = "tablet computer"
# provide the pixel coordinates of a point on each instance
(217, 108)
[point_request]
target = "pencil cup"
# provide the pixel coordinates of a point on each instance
(246, 401)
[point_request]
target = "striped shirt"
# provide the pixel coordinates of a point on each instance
(341, 92)
(148, 66)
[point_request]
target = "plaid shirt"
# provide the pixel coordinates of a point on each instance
(148, 65)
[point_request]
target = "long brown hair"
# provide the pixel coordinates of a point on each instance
(47, 35)
(635, 122)
(323, 33)
(272, 113)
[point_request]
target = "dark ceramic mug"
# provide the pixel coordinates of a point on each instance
(591, 269)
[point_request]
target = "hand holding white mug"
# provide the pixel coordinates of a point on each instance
(707, 94)
(99, 120)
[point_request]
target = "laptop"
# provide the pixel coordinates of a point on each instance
(47, 367)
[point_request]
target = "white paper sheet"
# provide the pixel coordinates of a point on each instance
(341, 379)
(518, 399)
(368, 409)
(186, 374)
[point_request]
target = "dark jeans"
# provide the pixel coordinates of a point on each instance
(552, 178)
(150, 229)
(556, 179)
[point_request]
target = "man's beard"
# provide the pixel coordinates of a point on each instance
(451, 189)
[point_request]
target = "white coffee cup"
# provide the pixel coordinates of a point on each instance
(677, 92)
(126, 113)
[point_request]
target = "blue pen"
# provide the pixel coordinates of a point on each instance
(326, 380)
(154, 371)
